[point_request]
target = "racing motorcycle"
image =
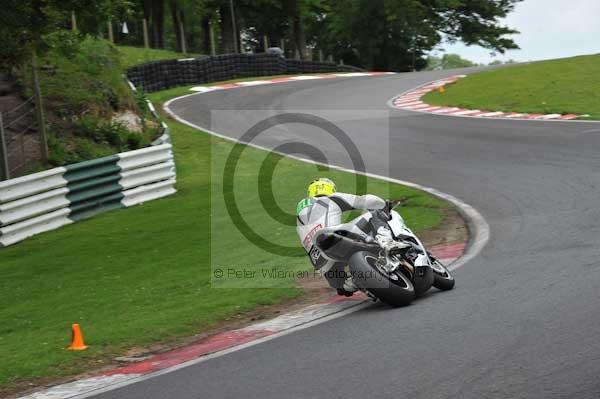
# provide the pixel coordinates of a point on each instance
(387, 261)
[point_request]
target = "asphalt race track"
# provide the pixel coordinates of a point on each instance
(524, 318)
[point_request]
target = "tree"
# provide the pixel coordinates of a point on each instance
(175, 7)
(447, 61)
(259, 18)
(294, 13)
(24, 23)
(395, 34)
(154, 13)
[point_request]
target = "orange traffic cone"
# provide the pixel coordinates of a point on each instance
(441, 89)
(76, 339)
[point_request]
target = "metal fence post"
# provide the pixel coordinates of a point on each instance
(234, 28)
(213, 48)
(4, 171)
(111, 36)
(145, 29)
(39, 110)
(73, 21)
(182, 35)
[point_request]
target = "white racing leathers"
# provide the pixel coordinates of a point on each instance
(317, 213)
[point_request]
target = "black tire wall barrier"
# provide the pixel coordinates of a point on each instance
(160, 75)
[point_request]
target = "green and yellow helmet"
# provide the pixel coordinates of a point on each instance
(321, 187)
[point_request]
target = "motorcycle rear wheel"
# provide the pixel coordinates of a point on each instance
(394, 289)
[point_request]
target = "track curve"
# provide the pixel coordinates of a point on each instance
(523, 321)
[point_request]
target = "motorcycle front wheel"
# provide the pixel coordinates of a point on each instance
(395, 288)
(442, 279)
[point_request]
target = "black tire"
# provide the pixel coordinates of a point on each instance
(442, 279)
(396, 291)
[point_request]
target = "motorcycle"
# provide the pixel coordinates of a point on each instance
(387, 261)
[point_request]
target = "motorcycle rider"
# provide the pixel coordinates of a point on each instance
(322, 209)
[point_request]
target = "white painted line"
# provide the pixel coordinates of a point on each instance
(421, 92)
(86, 387)
(487, 115)
(446, 110)
(408, 99)
(409, 104)
(305, 77)
(254, 83)
(418, 107)
(301, 316)
(433, 108)
(202, 89)
(514, 115)
(408, 96)
(411, 97)
(467, 112)
(352, 74)
(551, 116)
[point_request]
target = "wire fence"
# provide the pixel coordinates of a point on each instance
(19, 140)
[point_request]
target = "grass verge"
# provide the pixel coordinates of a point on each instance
(142, 275)
(564, 86)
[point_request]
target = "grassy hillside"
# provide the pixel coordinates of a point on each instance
(91, 112)
(131, 56)
(142, 275)
(564, 86)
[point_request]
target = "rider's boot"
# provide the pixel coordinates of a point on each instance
(348, 289)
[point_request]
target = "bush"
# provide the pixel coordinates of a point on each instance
(111, 133)
(134, 141)
(57, 151)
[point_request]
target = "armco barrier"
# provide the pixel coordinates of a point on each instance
(53, 198)
(47, 200)
(161, 75)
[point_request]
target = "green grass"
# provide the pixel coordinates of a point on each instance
(564, 86)
(141, 275)
(131, 56)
